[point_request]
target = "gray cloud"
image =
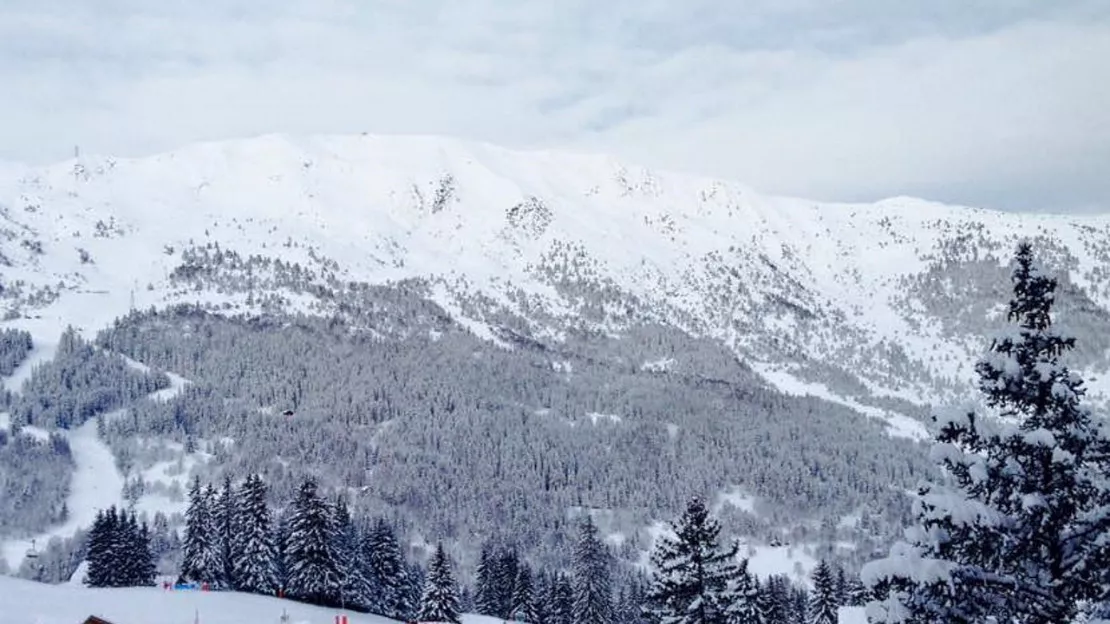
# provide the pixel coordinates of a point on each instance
(1001, 103)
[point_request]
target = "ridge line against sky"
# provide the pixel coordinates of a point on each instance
(1003, 104)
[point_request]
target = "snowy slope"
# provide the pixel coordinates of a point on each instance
(26, 602)
(96, 483)
(85, 240)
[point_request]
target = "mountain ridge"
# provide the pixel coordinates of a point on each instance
(510, 224)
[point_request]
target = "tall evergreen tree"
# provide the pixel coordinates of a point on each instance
(632, 600)
(254, 560)
(692, 572)
(524, 604)
(223, 521)
(560, 601)
(356, 592)
(388, 572)
(486, 595)
(823, 602)
(281, 547)
(504, 579)
(127, 547)
(799, 604)
(313, 573)
(592, 584)
(100, 555)
(744, 597)
(202, 561)
(147, 568)
(1019, 533)
(440, 601)
(776, 600)
(415, 588)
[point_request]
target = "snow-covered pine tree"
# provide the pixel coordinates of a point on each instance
(592, 584)
(485, 585)
(466, 600)
(387, 572)
(775, 600)
(799, 604)
(841, 585)
(1019, 533)
(743, 597)
(202, 562)
(504, 580)
(100, 555)
(415, 589)
(281, 543)
(356, 592)
(223, 520)
(524, 604)
(254, 559)
(540, 592)
(560, 600)
(631, 599)
(147, 568)
(823, 603)
(857, 594)
(127, 545)
(313, 573)
(691, 571)
(440, 601)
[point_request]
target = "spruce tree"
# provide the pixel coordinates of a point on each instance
(254, 559)
(560, 601)
(223, 521)
(440, 601)
(146, 569)
(592, 585)
(99, 554)
(486, 601)
(388, 572)
(1019, 532)
(823, 603)
(356, 592)
(799, 604)
(523, 602)
(744, 597)
(504, 581)
(127, 547)
(776, 600)
(692, 572)
(202, 561)
(312, 571)
(415, 589)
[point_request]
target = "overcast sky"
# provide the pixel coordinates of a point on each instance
(996, 103)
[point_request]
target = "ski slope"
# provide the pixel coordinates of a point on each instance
(27, 602)
(96, 482)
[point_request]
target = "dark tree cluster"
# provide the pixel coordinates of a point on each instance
(119, 552)
(15, 345)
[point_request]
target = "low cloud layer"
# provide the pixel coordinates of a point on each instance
(1006, 105)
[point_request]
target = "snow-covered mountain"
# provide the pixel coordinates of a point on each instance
(848, 301)
(569, 334)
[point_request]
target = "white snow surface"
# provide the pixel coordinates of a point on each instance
(27, 602)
